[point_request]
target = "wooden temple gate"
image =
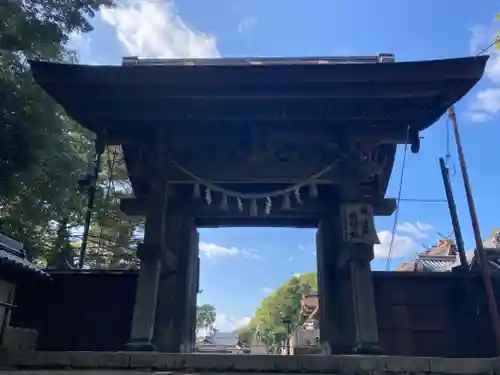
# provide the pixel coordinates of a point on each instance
(306, 143)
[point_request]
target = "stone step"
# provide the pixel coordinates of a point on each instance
(128, 363)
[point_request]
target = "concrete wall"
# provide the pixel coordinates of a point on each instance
(418, 314)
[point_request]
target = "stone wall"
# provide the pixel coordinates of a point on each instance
(46, 363)
(418, 314)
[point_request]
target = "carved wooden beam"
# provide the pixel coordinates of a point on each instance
(311, 209)
(168, 259)
(223, 164)
(307, 131)
(257, 222)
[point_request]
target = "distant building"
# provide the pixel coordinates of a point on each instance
(492, 250)
(15, 269)
(221, 343)
(440, 258)
(493, 240)
(444, 256)
(305, 339)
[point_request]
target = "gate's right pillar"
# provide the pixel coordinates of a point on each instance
(344, 240)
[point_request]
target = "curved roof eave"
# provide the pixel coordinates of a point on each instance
(393, 95)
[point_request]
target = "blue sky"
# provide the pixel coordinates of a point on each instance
(240, 266)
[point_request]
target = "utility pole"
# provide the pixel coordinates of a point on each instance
(453, 214)
(92, 181)
(481, 256)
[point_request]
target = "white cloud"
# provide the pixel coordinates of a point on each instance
(153, 28)
(267, 290)
(212, 250)
(247, 25)
(228, 323)
(417, 230)
(79, 39)
(493, 67)
(81, 44)
(402, 246)
(478, 116)
(478, 38)
(486, 103)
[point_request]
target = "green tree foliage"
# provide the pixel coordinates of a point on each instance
(497, 36)
(113, 237)
(205, 318)
(43, 153)
(284, 303)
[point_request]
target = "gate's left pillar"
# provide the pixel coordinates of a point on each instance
(149, 253)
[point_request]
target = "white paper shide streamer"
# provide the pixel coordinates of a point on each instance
(253, 200)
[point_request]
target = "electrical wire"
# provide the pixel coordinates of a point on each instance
(418, 200)
(396, 213)
(497, 40)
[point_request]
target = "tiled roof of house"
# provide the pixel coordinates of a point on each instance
(309, 302)
(221, 342)
(443, 257)
(309, 308)
(492, 250)
(439, 258)
(493, 240)
(13, 257)
(436, 263)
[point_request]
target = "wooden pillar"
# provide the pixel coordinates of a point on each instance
(188, 287)
(365, 315)
(166, 330)
(348, 321)
(359, 237)
(194, 307)
(335, 306)
(149, 253)
(193, 286)
(175, 323)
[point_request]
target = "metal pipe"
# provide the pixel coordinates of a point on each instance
(485, 269)
(453, 214)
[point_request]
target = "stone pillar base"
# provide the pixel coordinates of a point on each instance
(140, 346)
(367, 348)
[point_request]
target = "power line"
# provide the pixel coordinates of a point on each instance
(497, 40)
(422, 200)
